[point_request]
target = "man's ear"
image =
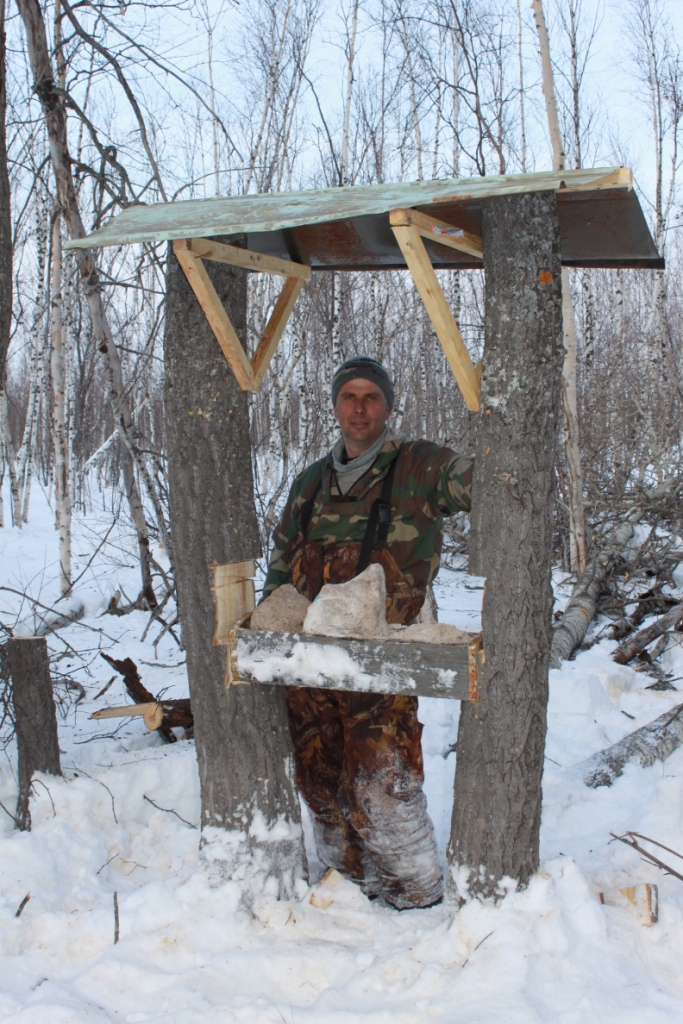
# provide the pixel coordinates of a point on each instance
(334, 410)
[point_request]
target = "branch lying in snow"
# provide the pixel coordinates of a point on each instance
(640, 641)
(628, 839)
(168, 810)
(652, 742)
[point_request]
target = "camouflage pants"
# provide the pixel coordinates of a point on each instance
(359, 767)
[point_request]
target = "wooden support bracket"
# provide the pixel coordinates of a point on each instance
(190, 253)
(409, 238)
(438, 231)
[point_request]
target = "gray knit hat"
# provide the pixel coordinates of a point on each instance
(367, 368)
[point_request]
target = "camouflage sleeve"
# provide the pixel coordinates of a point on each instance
(287, 530)
(453, 485)
(284, 536)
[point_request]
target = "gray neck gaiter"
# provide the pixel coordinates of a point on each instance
(349, 472)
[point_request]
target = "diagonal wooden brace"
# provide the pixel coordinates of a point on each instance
(409, 238)
(190, 254)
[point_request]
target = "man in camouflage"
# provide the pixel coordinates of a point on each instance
(377, 497)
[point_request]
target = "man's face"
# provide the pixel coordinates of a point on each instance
(362, 412)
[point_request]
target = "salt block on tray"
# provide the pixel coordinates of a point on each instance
(285, 610)
(431, 633)
(356, 609)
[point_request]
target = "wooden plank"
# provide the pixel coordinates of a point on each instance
(247, 258)
(442, 319)
(439, 231)
(362, 666)
(218, 319)
(620, 177)
(233, 587)
(274, 328)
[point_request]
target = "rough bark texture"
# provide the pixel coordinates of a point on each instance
(5, 213)
(653, 742)
(54, 113)
(250, 808)
(35, 717)
(501, 739)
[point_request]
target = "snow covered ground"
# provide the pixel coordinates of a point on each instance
(552, 953)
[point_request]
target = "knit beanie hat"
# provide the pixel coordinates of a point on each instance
(367, 368)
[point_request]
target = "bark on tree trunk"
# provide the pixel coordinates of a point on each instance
(501, 739)
(54, 113)
(5, 214)
(250, 809)
(35, 717)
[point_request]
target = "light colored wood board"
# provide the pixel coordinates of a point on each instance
(641, 899)
(274, 328)
(218, 319)
(439, 231)
(247, 258)
(361, 666)
(620, 177)
(235, 596)
(125, 711)
(442, 319)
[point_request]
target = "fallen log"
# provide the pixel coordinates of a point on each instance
(653, 742)
(174, 713)
(629, 648)
(580, 609)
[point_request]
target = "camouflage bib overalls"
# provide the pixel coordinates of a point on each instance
(358, 756)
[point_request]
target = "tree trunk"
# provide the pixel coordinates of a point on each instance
(501, 739)
(5, 213)
(577, 523)
(35, 717)
(54, 113)
(62, 483)
(250, 810)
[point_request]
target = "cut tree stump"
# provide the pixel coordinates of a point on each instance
(35, 717)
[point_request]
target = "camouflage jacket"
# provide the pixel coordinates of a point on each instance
(430, 482)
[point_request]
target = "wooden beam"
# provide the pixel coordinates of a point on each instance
(249, 375)
(370, 666)
(442, 319)
(222, 253)
(622, 177)
(219, 321)
(274, 328)
(438, 231)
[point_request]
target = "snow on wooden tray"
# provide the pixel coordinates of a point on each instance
(367, 666)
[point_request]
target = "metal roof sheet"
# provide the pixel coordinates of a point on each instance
(601, 221)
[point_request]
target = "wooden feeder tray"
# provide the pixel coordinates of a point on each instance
(361, 666)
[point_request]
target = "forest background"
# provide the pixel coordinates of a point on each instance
(169, 101)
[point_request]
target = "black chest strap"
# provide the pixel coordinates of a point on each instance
(379, 520)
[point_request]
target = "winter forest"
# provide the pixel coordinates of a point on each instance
(196, 99)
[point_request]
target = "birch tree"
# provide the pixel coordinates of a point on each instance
(572, 443)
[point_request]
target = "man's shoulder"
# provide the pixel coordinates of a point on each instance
(426, 455)
(309, 478)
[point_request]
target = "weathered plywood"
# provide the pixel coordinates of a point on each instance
(273, 211)
(364, 666)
